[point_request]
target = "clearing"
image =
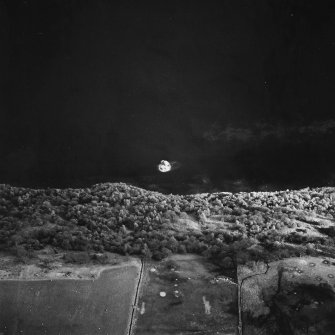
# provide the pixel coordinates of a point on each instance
(186, 294)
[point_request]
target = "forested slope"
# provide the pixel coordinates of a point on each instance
(125, 219)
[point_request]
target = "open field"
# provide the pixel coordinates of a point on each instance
(186, 294)
(69, 306)
(291, 296)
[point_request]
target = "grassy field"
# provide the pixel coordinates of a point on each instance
(292, 296)
(186, 295)
(101, 306)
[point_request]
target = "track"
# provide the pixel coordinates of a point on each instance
(239, 291)
(133, 312)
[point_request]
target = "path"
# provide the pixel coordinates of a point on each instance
(133, 313)
(239, 297)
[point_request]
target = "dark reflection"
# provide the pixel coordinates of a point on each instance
(300, 309)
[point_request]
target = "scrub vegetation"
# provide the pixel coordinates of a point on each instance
(124, 219)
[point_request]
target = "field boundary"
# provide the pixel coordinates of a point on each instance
(240, 297)
(134, 307)
(96, 271)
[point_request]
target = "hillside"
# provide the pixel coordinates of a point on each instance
(124, 219)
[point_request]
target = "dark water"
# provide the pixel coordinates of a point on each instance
(240, 94)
